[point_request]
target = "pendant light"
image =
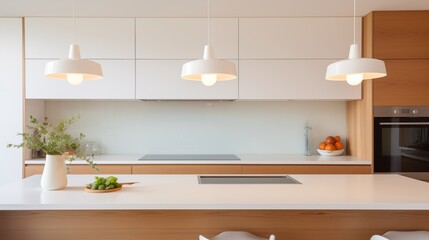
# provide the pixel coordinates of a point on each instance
(73, 69)
(209, 70)
(355, 69)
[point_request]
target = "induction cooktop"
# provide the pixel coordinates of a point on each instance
(190, 157)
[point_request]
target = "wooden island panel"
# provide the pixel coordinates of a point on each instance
(189, 224)
(83, 169)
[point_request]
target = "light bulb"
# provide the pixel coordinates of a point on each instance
(74, 78)
(354, 79)
(209, 79)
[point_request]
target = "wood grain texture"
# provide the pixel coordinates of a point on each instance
(401, 34)
(407, 84)
(306, 169)
(188, 224)
(359, 113)
(83, 169)
(186, 169)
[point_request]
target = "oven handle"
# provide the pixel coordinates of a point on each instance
(404, 123)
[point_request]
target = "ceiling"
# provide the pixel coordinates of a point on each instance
(197, 8)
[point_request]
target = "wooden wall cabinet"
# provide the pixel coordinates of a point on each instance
(407, 83)
(401, 34)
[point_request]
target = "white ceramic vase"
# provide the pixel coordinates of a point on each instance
(54, 175)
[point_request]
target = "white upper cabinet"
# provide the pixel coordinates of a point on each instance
(297, 38)
(184, 38)
(160, 79)
(291, 79)
(98, 38)
(118, 82)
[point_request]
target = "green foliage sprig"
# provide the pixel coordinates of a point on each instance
(53, 139)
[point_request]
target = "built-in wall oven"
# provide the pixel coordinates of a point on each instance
(401, 139)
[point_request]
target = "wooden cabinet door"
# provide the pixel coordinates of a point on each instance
(160, 79)
(306, 169)
(291, 79)
(296, 38)
(31, 170)
(118, 82)
(184, 38)
(406, 84)
(186, 169)
(401, 34)
(99, 38)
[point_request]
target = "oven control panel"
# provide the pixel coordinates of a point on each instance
(401, 111)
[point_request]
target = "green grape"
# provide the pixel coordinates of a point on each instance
(101, 187)
(94, 187)
(111, 186)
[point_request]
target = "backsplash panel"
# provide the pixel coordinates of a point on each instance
(199, 127)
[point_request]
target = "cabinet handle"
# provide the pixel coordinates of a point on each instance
(404, 123)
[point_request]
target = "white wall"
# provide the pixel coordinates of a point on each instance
(137, 127)
(10, 98)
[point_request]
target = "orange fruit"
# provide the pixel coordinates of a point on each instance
(337, 138)
(339, 145)
(330, 147)
(330, 140)
(322, 146)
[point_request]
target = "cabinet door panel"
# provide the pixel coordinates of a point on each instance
(187, 169)
(118, 82)
(160, 79)
(296, 38)
(401, 34)
(184, 38)
(109, 38)
(306, 169)
(291, 79)
(406, 84)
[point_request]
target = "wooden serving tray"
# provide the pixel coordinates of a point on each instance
(108, 190)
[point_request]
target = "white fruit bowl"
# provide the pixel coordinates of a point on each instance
(330, 152)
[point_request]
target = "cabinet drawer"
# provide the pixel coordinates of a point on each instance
(186, 169)
(306, 169)
(83, 169)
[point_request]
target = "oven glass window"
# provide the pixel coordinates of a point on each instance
(401, 147)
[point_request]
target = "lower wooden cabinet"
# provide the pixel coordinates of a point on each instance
(187, 169)
(83, 169)
(210, 169)
(306, 169)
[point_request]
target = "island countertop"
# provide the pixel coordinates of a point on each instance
(183, 192)
(246, 159)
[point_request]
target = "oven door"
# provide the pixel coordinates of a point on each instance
(401, 144)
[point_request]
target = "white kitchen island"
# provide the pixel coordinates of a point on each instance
(177, 207)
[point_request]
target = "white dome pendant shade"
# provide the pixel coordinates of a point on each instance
(74, 69)
(355, 69)
(209, 70)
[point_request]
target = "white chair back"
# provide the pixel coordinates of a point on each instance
(236, 235)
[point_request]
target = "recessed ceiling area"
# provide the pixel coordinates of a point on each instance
(197, 8)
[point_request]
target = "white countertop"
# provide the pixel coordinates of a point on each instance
(245, 159)
(169, 192)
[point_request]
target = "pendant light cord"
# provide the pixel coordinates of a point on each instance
(354, 21)
(208, 22)
(74, 25)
